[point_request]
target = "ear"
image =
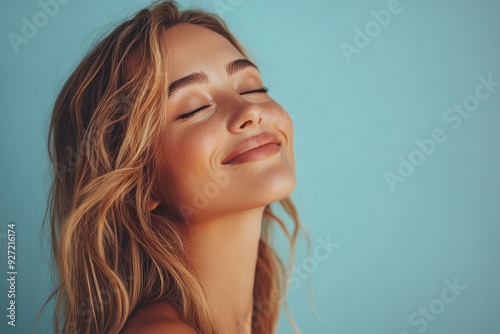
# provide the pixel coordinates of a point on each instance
(153, 204)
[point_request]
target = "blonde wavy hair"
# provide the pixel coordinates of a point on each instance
(111, 255)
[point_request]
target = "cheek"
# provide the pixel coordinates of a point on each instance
(283, 122)
(187, 159)
(191, 153)
(285, 125)
(288, 124)
(281, 119)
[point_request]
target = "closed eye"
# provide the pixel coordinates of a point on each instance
(192, 113)
(260, 90)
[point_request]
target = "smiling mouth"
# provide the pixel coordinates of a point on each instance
(258, 153)
(254, 148)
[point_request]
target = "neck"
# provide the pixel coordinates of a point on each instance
(223, 253)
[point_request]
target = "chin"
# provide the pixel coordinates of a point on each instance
(258, 190)
(276, 187)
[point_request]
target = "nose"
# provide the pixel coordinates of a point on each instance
(247, 116)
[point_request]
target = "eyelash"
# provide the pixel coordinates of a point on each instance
(192, 113)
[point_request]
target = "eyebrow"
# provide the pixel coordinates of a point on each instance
(202, 77)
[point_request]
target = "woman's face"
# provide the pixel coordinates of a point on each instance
(216, 111)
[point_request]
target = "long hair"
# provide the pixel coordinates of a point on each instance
(112, 255)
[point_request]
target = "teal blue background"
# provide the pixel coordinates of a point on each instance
(352, 122)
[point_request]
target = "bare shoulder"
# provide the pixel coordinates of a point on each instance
(157, 318)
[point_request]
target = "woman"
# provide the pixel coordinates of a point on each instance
(167, 153)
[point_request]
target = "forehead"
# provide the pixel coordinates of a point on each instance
(192, 48)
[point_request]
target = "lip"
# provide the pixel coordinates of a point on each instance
(254, 148)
